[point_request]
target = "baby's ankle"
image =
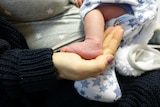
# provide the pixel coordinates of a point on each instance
(94, 42)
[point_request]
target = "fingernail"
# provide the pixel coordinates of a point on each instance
(109, 59)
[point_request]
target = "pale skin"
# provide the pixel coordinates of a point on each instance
(94, 26)
(79, 68)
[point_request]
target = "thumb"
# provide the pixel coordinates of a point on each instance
(105, 59)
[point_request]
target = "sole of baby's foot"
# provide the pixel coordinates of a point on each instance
(85, 49)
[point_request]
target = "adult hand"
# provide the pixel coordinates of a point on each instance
(72, 67)
(112, 39)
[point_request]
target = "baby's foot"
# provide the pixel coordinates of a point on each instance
(86, 49)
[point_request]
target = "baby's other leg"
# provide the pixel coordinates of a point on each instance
(91, 47)
(111, 11)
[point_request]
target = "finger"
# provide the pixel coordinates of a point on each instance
(79, 3)
(115, 41)
(107, 31)
(108, 36)
(104, 59)
(94, 66)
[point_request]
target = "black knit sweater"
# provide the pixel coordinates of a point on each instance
(27, 79)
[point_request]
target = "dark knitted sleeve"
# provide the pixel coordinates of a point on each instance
(21, 67)
(29, 69)
(143, 91)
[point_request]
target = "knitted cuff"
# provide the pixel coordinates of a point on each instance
(36, 69)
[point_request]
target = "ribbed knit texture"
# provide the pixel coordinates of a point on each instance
(27, 79)
(141, 91)
(11, 34)
(29, 67)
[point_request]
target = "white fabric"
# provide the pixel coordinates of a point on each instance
(138, 28)
(104, 88)
(88, 5)
(144, 58)
(137, 59)
(55, 32)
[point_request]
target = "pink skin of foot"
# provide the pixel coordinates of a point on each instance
(91, 47)
(87, 49)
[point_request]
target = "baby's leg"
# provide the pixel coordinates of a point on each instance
(91, 47)
(110, 11)
(94, 22)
